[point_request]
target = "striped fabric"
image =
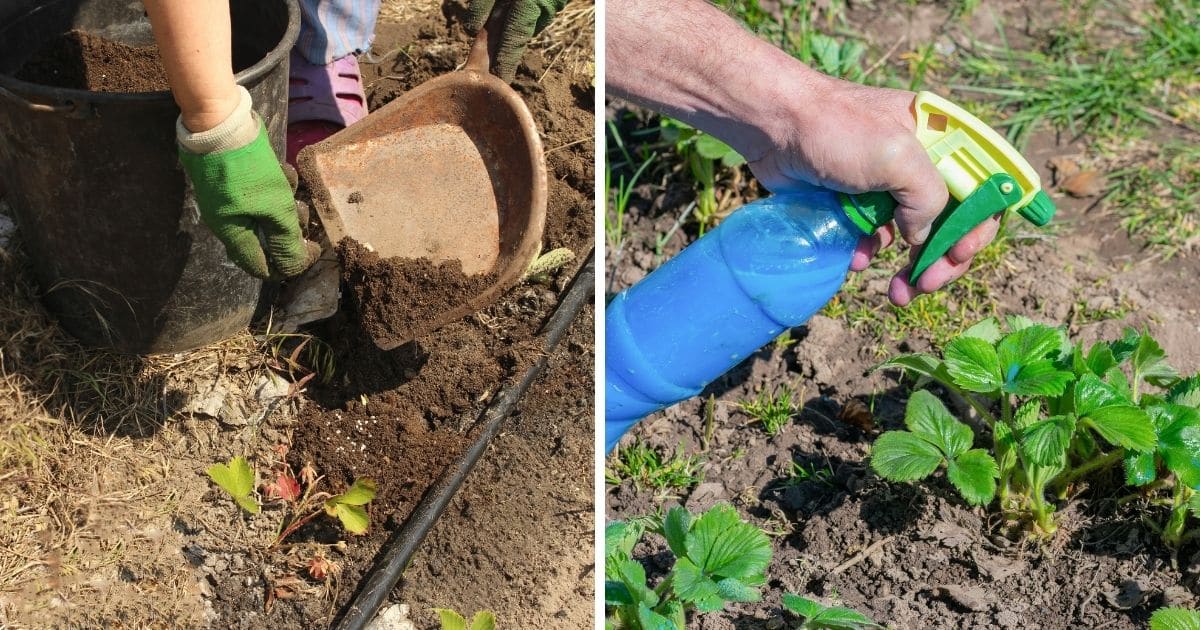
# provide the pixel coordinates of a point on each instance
(332, 29)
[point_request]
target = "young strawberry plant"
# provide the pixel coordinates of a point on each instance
(1056, 413)
(718, 559)
(817, 616)
(702, 153)
(302, 503)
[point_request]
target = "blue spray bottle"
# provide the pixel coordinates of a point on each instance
(774, 263)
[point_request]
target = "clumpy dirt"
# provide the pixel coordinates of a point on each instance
(398, 298)
(83, 61)
(915, 556)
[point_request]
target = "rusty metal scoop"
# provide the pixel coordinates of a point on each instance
(451, 170)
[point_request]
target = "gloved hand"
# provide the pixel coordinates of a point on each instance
(241, 188)
(525, 18)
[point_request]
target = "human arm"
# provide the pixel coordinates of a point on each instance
(240, 187)
(795, 126)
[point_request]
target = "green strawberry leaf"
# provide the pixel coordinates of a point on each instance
(1140, 468)
(1186, 392)
(1119, 381)
(236, 478)
(1100, 359)
(1091, 393)
(347, 506)
(693, 586)
(483, 620)
(1175, 619)
(712, 148)
(353, 517)
(722, 545)
(1123, 348)
(903, 456)
(1179, 444)
(631, 578)
(1045, 443)
(838, 618)
(1018, 323)
(1194, 505)
(922, 366)
(1125, 426)
(649, 620)
(1037, 378)
(360, 493)
(1149, 360)
(620, 537)
(1027, 413)
(973, 365)
(675, 528)
(974, 474)
(1030, 344)
(927, 417)
(802, 606)
(732, 590)
(986, 329)
(450, 619)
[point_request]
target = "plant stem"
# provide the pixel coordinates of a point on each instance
(1172, 534)
(295, 525)
(1089, 467)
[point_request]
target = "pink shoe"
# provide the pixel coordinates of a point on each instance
(322, 100)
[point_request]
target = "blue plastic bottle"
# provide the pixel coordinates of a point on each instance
(768, 267)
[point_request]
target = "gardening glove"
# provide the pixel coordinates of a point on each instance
(525, 18)
(241, 189)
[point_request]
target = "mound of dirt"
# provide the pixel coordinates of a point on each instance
(397, 298)
(83, 61)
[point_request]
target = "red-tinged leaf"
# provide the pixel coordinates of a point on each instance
(285, 487)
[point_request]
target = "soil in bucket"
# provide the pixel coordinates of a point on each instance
(83, 61)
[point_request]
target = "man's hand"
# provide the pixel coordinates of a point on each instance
(795, 126)
(853, 138)
(241, 189)
(523, 19)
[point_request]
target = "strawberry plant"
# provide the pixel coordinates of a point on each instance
(718, 558)
(701, 152)
(1056, 413)
(817, 616)
(302, 503)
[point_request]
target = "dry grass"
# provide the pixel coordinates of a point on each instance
(395, 11)
(92, 469)
(570, 40)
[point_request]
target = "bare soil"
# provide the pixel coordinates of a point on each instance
(83, 61)
(918, 556)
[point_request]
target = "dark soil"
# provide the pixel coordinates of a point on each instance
(517, 539)
(937, 563)
(83, 61)
(398, 298)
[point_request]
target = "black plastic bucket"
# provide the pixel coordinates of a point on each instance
(104, 210)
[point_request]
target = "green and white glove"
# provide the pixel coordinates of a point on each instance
(241, 190)
(525, 19)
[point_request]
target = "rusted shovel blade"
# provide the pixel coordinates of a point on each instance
(452, 170)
